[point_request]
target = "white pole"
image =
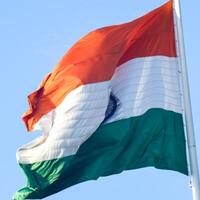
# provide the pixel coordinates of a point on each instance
(187, 105)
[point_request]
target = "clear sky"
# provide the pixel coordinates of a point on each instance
(33, 37)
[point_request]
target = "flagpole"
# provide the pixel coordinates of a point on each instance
(187, 104)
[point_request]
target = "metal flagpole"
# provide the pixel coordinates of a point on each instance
(187, 105)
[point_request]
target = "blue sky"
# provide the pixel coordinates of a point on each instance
(34, 35)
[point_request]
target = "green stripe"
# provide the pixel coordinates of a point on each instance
(155, 138)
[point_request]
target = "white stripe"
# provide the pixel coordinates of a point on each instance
(69, 125)
(144, 83)
(139, 84)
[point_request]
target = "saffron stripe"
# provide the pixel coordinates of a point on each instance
(95, 57)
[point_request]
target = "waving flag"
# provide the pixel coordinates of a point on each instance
(112, 103)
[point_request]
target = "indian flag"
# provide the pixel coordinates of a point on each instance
(112, 103)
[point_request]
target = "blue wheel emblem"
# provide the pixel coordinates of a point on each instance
(112, 107)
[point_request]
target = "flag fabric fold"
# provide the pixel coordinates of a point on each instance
(112, 103)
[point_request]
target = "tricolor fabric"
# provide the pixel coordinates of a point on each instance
(112, 103)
